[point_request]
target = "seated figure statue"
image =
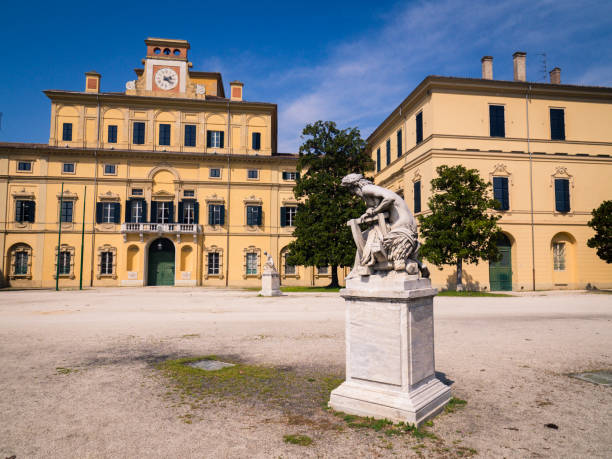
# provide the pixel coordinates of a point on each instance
(392, 242)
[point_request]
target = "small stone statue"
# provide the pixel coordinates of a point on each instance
(269, 264)
(391, 242)
(270, 279)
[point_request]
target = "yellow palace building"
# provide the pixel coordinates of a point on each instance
(545, 147)
(176, 183)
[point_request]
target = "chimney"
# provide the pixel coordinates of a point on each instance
(555, 76)
(236, 90)
(92, 81)
(519, 66)
(487, 67)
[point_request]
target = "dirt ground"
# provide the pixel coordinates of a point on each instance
(77, 376)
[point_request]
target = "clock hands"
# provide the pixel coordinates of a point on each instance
(169, 79)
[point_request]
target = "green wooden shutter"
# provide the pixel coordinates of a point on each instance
(259, 213)
(180, 218)
(196, 212)
(222, 212)
(153, 212)
(117, 212)
(211, 219)
(128, 211)
(222, 135)
(208, 139)
(283, 216)
(31, 211)
(99, 212)
(417, 197)
(170, 212)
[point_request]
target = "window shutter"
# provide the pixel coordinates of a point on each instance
(153, 218)
(259, 213)
(417, 197)
(19, 211)
(117, 212)
(378, 160)
(208, 139)
(170, 212)
(419, 127)
(505, 197)
(222, 135)
(196, 212)
(128, 211)
(562, 198)
(98, 212)
(211, 220)
(180, 218)
(399, 143)
(249, 211)
(566, 197)
(222, 211)
(144, 211)
(283, 216)
(31, 211)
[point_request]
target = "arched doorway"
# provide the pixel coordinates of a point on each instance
(500, 272)
(161, 262)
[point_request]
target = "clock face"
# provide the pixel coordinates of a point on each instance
(166, 78)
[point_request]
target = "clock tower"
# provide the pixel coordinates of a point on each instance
(166, 66)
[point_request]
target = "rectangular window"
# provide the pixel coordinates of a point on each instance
(64, 263)
(68, 168)
(251, 260)
(378, 160)
(388, 151)
(214, 139)
(215, 173)
(562, 196)
(111, 135)
(288, 216)
(163, 212)
(24, 211)
(106, 263)
(139, 133)
(110, 169)
(419, 127)
(190, 135)
(559, 256)
(399, 143)
(164, 134)
(497, 125)
(289, 269)
(137, 211)
(189, 193)
(216, 214)
(21, 264)
(324, 270)
(253, 174)
(213, 263)
(256, 141)
(108, 212)
(137, 192)
(289, 175)
(67, 207)
(500, 192)
(188, 216)
(24, 166)
(67, 132)
(417, 197)
(557, 124)
(253, 215)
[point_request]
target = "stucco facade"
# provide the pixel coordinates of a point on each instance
(170, 175)
(528, 155)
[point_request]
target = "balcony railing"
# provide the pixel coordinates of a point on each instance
(161, 228)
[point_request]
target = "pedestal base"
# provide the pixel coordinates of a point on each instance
(270, 284)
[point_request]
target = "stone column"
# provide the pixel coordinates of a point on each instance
(390, 370)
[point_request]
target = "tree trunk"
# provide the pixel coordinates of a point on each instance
(334, 279)
(459, 286)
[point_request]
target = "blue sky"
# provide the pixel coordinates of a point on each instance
(347, 61)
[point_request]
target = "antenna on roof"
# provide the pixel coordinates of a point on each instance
(543, 70)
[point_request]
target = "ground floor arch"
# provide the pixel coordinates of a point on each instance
(161, 262)
(500, 272)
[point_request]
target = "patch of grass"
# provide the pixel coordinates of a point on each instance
(454, 404)
(302, 440)
(384, 426)
(65, 371)
(469, 293)
(297, 288)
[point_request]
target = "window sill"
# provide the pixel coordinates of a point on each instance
(213, 276)
(291, 276)
(107, 276)
(251, 276)
(20, 277)
(64, 276)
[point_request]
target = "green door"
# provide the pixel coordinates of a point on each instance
(500, 272)
(161, 262)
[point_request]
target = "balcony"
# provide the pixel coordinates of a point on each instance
(161, 228)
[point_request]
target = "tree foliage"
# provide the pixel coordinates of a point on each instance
(602, 224)
(326, 155)
(460, 226)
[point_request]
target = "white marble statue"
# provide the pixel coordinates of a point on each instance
(270, 279)
(391, 242)
(269, 264)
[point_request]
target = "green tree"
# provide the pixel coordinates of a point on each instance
(460, 226)
(602, 224)
(326, 155)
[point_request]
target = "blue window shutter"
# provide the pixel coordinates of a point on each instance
(31, 211)
(399, 143)
(562, 202)
(388, 151)
(98, 212)
(500, 192)
(153, 212)
(211, 219)
(283, 216)
(419, 127)
(378, 160)
(222, 212)
(144, 211)
(222, 135)
(180, 218)
(171, 212)
(249, 211)
(208, 139)
(128, 211)
(19, 211)
(417, 197)
(196, 212)
(557, 124)
(116, 212)
(497, 126)
(259, 212)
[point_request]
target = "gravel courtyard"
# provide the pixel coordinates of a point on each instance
(77, 374)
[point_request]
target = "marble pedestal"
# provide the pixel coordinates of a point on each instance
(390, 371)
(270, 284)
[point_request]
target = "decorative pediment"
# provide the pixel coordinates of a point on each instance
(289, 201)
(252, 200)
(68, 196)
(214, 199)
(109, 196)
(561, 173)
(24, 194)
(417, 176)
(500, 169)
(163, 195)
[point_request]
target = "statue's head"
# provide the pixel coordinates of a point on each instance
(354, 181)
